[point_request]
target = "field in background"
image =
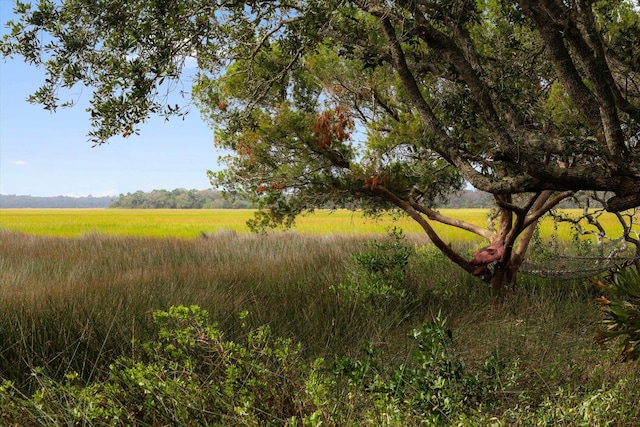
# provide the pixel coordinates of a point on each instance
(191, 223)
(188, 223)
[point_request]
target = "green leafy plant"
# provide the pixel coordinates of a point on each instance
(380, 271)
(434, 387)
(622, 312)
(189, 375)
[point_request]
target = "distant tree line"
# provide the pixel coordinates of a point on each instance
(466, 199)
(11, 201)
(179, 198)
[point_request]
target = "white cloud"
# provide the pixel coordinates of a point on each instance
(18, 162)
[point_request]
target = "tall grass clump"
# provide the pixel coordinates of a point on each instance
(75, 303)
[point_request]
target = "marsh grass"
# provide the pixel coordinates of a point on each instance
(75, 304)
(190, 223)
(181, 223)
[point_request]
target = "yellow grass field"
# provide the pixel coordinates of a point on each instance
(190, 223)
(184, 223)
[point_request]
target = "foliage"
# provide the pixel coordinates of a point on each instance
(213, 200)
(189, 375)
(179, 198)
(613, 405)
(622, 312)
(374, 104)
(18, 202)
(380, 271)
(433, 387)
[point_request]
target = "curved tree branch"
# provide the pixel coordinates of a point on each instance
(458, 223)
(450, 51)
(382, 192)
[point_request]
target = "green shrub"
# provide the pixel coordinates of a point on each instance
(610, 405)
(189, 376)
(433, 388)
(380, 272)
(526, 361)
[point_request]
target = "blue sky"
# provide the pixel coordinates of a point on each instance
(45, 154)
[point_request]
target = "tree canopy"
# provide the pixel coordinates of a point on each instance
(376, 102)
(179, 198)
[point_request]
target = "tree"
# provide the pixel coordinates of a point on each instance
(385, 104)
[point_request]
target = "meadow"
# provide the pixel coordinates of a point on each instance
(101, 323)
(190, 223)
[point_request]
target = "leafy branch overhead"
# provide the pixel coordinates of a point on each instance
(381, 103)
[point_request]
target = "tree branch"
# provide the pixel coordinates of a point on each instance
(545, 17)
(458, 223)
(546, 207)
(450, 51)
(431, 233)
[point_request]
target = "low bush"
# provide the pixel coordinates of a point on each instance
(191, 375)
(380, 271)
(188, 375)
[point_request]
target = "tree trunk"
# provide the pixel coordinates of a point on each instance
(504, 277)
(505, 251)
